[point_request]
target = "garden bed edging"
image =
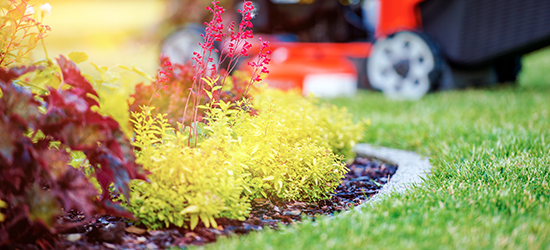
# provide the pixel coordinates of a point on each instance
(412, 169)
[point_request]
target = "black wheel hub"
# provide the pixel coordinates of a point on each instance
(402, 68)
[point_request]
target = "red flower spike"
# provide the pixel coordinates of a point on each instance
(236, 45)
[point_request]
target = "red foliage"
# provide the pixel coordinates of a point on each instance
(35, 179)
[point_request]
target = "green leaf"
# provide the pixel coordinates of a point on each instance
(18, 12)
(194, 221)
(213, 222)
(142, 73)
(190, 209)
(255, 149)
(3, 204)
(78, 57)
(205, 219)
(101, 69)
(271, 177)
(121, 67)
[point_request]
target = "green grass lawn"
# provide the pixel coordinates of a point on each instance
(490, 151)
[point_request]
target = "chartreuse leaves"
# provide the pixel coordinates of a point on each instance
(78, 57)
(190, 210)
(188, 185)
(20, 32)
(3, 204)
(240, 157)
(142, 73)
(305, 118)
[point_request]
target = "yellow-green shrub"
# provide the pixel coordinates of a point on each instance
(284, 152)
(186, 184)
(279, 161)
(306, 118)
(281, 164)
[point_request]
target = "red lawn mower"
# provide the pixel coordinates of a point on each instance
(413, 46)
(405, 48)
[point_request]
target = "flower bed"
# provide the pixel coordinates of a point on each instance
(195, 147)
(366, 178)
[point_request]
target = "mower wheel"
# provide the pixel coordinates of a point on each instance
(405, 65)
(507, 70)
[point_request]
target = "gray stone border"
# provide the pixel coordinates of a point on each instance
(412, 168)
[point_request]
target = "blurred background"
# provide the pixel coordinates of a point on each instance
(109, 31)
(308, 36)
(130, 32)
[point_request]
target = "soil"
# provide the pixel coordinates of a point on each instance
(365, 178)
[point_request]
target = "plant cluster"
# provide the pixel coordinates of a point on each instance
(185, 88)
(325, 124)
(187, 183)
(195, 88)
(281, 153)
(288, 150)
(233, 49)
(20, 31)
(170, 91)
(49, 121)
(38, 133)
(294, 147)
(114, 87)
(209, 148)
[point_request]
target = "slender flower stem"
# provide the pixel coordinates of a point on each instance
(237, 46)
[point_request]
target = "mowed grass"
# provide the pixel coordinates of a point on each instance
(489, 187)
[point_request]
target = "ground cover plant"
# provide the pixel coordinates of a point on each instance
(489, 188)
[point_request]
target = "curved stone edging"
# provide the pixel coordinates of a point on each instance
(411, 168)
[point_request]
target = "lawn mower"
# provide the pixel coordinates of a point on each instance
(405, 48)
(443, 44)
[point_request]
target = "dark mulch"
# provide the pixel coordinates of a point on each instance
(365, 178)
